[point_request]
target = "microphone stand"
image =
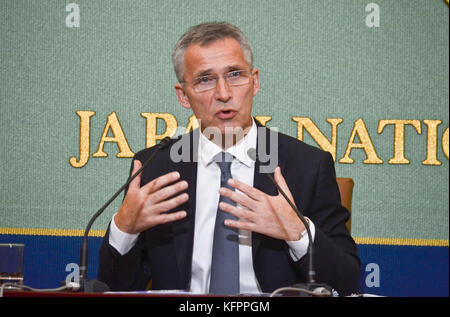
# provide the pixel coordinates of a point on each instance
(311, 285)
(95, 286)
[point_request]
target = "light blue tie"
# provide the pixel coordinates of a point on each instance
(225, 255)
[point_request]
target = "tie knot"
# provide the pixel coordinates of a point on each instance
(224, 159)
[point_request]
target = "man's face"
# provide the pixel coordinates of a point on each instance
(224, 106)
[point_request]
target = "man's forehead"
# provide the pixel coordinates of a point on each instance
(219, 56)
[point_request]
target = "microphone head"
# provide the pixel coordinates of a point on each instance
(252, 154)
(164, 143)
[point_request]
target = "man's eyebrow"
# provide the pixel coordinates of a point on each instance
(233, 67)
(205, 72)
(209, 71)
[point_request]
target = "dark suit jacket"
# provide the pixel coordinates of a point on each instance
(163, 254)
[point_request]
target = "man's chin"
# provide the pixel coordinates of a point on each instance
(230, 129)
(225, 134)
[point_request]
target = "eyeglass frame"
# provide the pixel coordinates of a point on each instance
(217, 77)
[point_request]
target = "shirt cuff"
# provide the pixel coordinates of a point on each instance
(119, 240)
(299, 248)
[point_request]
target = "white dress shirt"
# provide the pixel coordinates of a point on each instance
(208, 184)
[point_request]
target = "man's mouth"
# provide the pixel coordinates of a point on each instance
(226, 114)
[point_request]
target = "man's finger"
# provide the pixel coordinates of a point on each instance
(237, 212)
(167, 192)
(238, 198)
(242, 225)
(169, 204)
(161, 182)
(250, 191)
(165, 218)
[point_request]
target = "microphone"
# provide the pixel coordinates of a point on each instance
(311, 285)
(94, 286)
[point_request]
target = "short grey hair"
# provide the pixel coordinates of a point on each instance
(205, 34)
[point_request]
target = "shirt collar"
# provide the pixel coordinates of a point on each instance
(208, 149)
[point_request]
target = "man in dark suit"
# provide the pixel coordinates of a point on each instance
(214, 223)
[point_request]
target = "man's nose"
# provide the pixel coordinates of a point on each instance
(223, 91)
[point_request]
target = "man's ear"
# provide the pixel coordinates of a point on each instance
(182, 98)
(255, 74)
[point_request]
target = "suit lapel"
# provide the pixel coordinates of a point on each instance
(183, 230)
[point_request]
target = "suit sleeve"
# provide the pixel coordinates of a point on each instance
(335, 257)
(128, 272)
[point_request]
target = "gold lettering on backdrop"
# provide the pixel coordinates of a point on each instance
(85, 133)
(445, 143)
(399, 137)
(359, 128)
(152, 118)
(327, 143)
(432, 141)
(113, 124)
(192, 124)
(317, 135)
(263, 119)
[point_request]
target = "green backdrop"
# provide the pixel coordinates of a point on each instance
(317, 59)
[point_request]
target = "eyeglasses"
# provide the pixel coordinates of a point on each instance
(208, 82)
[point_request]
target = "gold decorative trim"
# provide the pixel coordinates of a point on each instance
(405, 242)
(101, 233)
(51, 232)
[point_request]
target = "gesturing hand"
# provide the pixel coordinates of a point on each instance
(144, 207)
(265, 214)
